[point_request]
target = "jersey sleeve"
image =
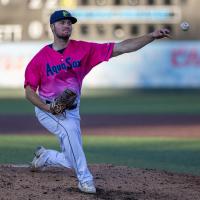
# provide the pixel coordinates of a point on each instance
(32, 74)
(98, 53)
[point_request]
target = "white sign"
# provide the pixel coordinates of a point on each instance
(13, 59)
(159, 64)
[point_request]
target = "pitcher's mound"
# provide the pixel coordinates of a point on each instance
(112, 182)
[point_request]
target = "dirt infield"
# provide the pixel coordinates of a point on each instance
(125, 125)
(112, 182)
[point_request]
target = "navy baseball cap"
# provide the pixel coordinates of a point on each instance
(60, 15)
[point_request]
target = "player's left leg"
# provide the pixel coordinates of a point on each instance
(71, 145)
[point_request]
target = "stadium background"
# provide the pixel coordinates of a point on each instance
(129, 98)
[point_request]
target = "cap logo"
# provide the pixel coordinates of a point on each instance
(65, 14)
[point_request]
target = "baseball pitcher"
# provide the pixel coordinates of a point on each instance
(53, 81)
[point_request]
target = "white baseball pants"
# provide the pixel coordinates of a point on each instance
(66, 128)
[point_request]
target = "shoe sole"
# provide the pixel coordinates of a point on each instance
(86, 191)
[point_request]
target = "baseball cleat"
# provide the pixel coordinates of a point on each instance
(40, 157)
(87, 187)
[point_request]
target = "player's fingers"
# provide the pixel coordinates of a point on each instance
(161, 32)
(166, 31)
(168, 36)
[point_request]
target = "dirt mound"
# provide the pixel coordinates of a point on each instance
(112, 182)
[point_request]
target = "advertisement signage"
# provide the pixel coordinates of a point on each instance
(160, 64)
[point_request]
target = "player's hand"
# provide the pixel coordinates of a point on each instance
(161, 33)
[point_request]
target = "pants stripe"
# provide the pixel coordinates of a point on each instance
(76, 166)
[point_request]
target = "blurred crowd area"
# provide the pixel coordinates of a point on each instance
(169, 63)
(98, 19)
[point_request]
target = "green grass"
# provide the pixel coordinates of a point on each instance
(175, 155)
(121, 102)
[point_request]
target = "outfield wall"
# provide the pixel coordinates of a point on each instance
(172, 64)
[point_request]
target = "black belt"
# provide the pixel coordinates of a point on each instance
(71, 108)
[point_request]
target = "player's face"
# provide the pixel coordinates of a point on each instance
(63, 29)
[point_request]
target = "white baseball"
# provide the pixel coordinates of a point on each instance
(185, 26)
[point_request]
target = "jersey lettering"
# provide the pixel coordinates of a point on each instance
(51, 70)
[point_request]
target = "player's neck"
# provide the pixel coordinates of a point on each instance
(59, 44)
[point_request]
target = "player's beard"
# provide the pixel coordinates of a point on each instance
(63, 37)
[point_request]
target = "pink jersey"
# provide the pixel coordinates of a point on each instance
(51, 72)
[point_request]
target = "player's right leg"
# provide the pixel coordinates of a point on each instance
(48, 157)
(40, 158)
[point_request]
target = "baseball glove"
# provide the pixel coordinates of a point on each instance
(63, 102)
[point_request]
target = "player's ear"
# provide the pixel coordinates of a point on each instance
(52, 27)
